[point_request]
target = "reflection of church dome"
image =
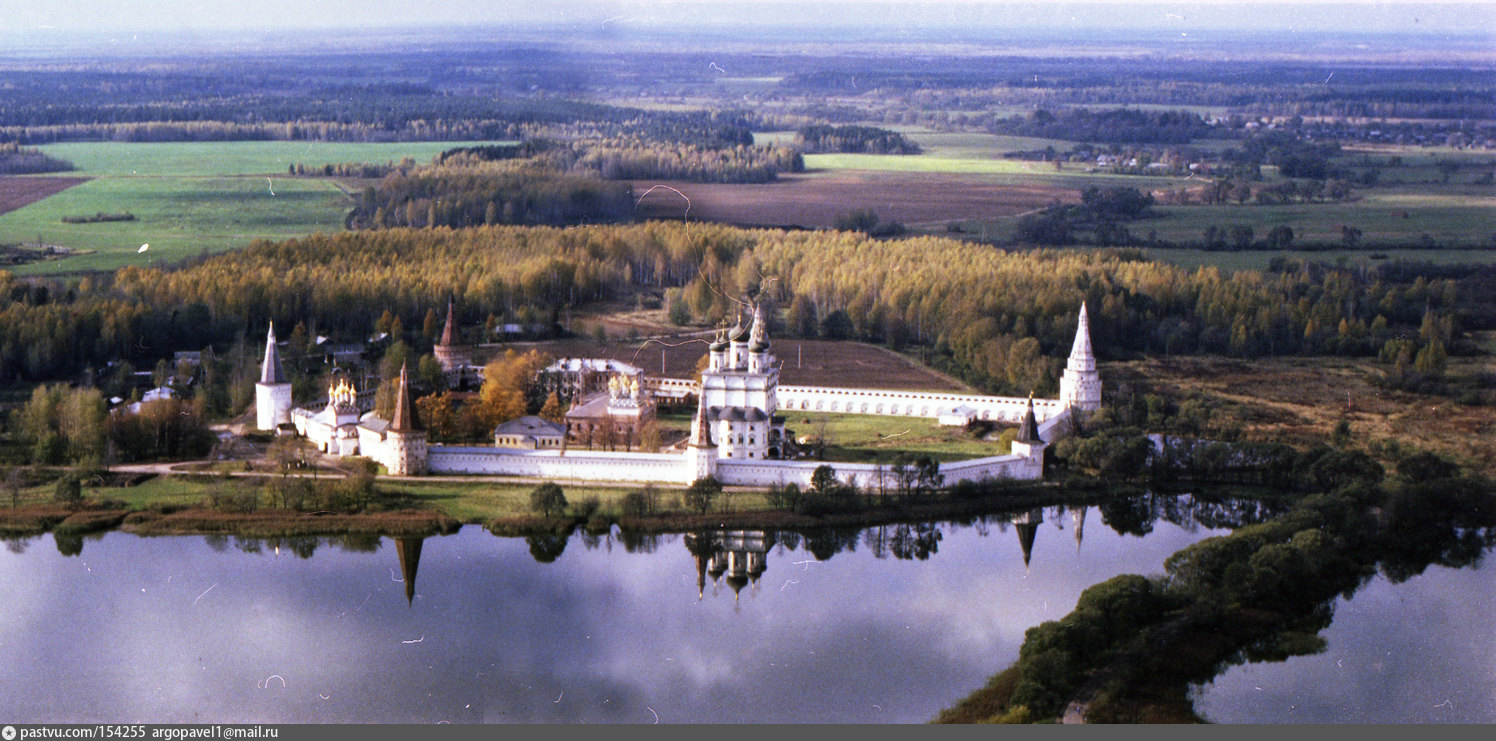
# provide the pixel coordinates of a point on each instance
(719, 567)
(756, 565)
(737, 582)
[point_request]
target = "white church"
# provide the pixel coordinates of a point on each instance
(737, 433)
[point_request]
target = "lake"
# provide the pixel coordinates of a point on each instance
(1417, 652)
(887, 624)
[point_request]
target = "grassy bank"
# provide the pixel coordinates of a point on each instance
(214, 504)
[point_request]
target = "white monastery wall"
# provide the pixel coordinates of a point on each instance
(672, 468)
(909, 403)
(592, 465)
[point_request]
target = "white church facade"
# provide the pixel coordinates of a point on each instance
(737, 432)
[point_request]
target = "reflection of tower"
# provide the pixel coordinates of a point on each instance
(1078, 515)
(1027, 525)
(409, 551)
(704, 550)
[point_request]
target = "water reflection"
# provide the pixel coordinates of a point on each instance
(886, 624)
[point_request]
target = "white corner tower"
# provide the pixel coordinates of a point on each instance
(273, 391)
(1080, 386)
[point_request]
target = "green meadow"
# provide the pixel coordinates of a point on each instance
(189, 199)
(859, 438)
(1452, 217)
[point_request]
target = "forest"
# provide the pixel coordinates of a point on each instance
(1001, 320)
(853, 139)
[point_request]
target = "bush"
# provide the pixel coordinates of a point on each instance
(69, 490)
(701, 494)
(587, 506)
(640, 503)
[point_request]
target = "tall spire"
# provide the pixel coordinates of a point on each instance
(700, 437)
(404, 419)
(270, 370)
(1028, 428)
(449, 332)
(1081, 357)
(758, 337)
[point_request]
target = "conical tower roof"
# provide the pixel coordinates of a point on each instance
(700, 436)
(404, 419)
(1081, 357)
(449, 332)
(1028, 428)
(270, 370)
(758, 336)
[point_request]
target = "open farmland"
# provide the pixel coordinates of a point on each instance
(16, 192)
(187, 198)
(812, 201)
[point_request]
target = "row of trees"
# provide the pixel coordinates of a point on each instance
(18, 160)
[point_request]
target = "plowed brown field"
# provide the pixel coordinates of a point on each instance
(812, 201)
(16, 192)
(803, 362)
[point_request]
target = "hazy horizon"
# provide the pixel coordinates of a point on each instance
(106, 16)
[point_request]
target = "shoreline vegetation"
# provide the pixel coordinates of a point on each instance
(1134, 645)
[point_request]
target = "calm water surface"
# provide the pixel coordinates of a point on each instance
(1421, 651)
(192, 629)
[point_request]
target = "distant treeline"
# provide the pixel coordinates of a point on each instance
(18, 160)
(1003, 321)
(1118, 125)
(456, 197)
(633, 158)
(853, 140)
(363, 170)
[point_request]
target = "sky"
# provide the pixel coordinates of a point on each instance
(95, 16)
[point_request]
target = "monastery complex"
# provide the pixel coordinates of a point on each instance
(737, 432)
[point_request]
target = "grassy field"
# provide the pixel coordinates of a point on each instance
(1450, 216)
(183, 159)
(189, 198)
(1004, 172)
(1259, 259)
(861, 438)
